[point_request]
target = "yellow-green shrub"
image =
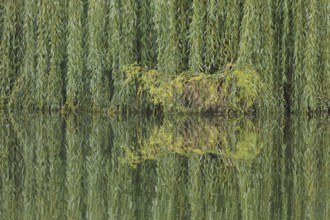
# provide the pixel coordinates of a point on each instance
(218, 93)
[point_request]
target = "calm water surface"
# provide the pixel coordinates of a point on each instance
(81, 167)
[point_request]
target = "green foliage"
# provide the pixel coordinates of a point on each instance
(256, 46)
(57, 51)
(214, 32)
(10, 48)
(233, 91)
(323, 63)
(71, 54)
(196, 36)
(234, 141)
(42, 68)
(168, 53)
(243, 90)
(146, 35)
(80, 167)
(75, 84)
(22, 95)
(99, 80)
(231, 33)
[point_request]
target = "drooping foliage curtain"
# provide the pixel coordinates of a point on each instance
(69, 53)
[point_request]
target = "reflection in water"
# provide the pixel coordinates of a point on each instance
(82, 167)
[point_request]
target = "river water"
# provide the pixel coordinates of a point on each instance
(95, 167)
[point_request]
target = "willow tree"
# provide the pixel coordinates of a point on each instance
(56, 53)
(282, 43)
(113, 28)
(323, 43)
(256, 46)
(96, 59)
(298, 102)
(128, 12)
(167, 36)
(9, 47)
(122, 44)
(1, 19)
(146, 35)
(75, 84)
(42, 68)
(47, 59)
(214, 28)
(249, 34)
(196, 36)
(265, 56)
(311, 57)
(231, 26)
(182, 26)
(22, 95)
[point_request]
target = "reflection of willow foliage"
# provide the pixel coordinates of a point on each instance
(40, 139)
(237, 90)
(70, 54)
(10, 163)
(309, 164)
(98, 145)
(74, 168)
(75, 146)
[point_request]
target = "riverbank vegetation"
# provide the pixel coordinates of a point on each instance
(236, 91)
(73, 55)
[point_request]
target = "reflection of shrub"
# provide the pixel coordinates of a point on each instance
(230, 141)
(218, 93)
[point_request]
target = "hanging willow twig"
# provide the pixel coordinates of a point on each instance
(74, 77)
(42, 69)
(7, 54)
(298, 80)
(230, 41)
(214, 35)
(167, 36)
(99, 81)
(23, 91)
(323, 42)
(146, 35)
(196, 36)
(310, 57)
(57, 50)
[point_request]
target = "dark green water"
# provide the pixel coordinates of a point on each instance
(184, 168)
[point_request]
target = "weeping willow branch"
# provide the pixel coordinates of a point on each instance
(196, 36)
(57, 51)
(7, 54)
(22, 95)
(96, 62)
(74, 77)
